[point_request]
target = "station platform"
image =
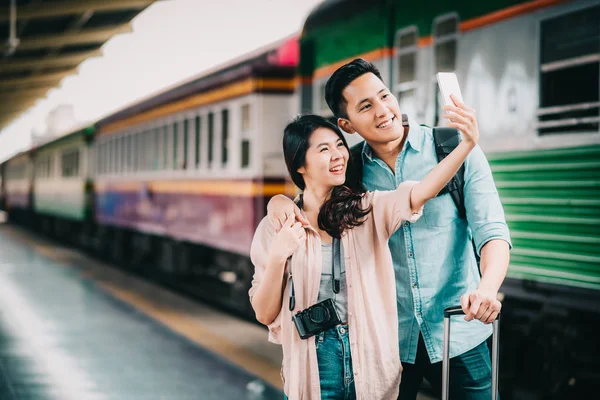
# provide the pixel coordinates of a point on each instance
(73, 328)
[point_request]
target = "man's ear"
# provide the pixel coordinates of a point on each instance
(346, 125)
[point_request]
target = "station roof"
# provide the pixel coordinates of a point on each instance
(55, 36)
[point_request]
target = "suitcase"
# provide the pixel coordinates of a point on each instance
(457, 310)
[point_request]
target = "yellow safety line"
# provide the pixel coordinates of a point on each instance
(197, 333)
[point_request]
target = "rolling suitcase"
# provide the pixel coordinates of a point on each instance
(457, 310)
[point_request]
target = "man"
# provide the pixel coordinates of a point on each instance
(433, 259)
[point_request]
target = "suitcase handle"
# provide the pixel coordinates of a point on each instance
(457, 310)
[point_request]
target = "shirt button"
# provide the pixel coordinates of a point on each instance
(414, 285)
(410, 254)
(342, 331)
(406, 223)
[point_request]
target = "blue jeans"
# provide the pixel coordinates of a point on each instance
(335, 364)
(470, 374)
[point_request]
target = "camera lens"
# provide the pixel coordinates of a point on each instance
(318, 314)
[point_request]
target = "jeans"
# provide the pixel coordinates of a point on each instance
(470, 374)
(335, 364)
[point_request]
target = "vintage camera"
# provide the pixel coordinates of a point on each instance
(316, 319)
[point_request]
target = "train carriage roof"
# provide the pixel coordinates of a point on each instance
(338, 30)
(86, 130)
(277, 60)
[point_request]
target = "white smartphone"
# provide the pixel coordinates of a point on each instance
(448, 84)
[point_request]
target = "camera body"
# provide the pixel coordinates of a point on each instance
(316, 319)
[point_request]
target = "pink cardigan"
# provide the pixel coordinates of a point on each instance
(372, 312)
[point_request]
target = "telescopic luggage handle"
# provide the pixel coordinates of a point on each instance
(457, 310)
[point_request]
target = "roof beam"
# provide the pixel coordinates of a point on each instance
(36, 80)
(18, 106)
(69, 60)
(98, 35)
(23, 94)
(56, 9)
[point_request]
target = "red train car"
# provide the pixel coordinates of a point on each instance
(183, 177)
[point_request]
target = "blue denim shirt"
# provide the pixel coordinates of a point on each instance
(433, 258)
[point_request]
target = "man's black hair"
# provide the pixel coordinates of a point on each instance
(340, 79)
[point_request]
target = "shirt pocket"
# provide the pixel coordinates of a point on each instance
(440, 211)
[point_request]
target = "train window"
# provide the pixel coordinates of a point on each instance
(142, 144)
(111, 161)
(147, 152)
(570, 73)
(136, 151)
(245, 117)
(105, 159)
(198, 127)
(129, 153)
(211, 123)
(186, 128)
(224, 136)
(70, 163)
(142, 149)
(406, 67)
(165, 147)
(445, 43)
(175, 144)
(121, 147)
(99, 153)
(245, 136)
(406, 50)
(17, 171)
(324, 107)
(156, 157)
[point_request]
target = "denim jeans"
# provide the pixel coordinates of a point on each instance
(335, 364)
(470, 374)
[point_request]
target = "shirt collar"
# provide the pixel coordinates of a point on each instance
(414, 140)
(415, 135)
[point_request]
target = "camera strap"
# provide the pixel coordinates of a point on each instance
(336, 267)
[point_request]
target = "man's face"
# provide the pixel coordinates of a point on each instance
(372, 111)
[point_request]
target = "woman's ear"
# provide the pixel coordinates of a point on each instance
(301, 170)
(346, 125)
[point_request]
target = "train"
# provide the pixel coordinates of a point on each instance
(173, 186)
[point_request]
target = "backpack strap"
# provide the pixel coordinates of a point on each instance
(446, 140)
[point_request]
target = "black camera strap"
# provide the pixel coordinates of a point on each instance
(336, 267)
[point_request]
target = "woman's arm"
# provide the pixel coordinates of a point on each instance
(462, 118)
(266, 294)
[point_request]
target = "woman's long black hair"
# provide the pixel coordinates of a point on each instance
(343, 209)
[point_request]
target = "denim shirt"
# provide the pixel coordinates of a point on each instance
(433, 258)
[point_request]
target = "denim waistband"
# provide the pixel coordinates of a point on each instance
(339, 331)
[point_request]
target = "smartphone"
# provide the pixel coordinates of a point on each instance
(448, 84)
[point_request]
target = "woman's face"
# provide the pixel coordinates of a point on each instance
(326, 160)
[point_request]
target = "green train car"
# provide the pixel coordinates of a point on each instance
(531, 69)
(62, 189)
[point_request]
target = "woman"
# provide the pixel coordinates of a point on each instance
(359, 356)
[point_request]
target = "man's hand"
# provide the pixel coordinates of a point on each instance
(280, 208)
(481, 304)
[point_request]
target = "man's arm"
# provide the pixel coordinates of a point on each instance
(485, 216)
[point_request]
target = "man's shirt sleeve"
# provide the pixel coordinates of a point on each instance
(485, 214)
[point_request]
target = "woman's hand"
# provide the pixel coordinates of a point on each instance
(288, 239)
(464, 119)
